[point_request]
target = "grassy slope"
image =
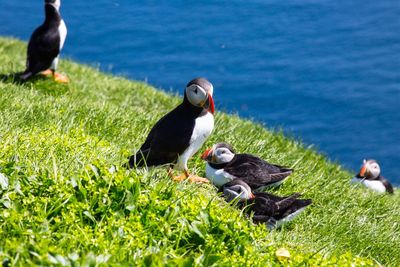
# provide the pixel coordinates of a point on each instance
(63, 204)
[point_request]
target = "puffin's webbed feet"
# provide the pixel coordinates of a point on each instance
(47, 73)
(190, 177)
(197, 179)
(58, 77)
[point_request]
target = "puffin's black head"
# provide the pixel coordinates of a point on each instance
(55, 3)
(237, 189)
(219, 153)
(370, 169)
(199, 93)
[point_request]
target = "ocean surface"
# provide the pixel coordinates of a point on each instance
(327, 72)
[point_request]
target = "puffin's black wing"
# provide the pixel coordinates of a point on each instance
(263, 206)
(43, 48)
(169, 138)
(278, 207)
(274, 198)
(387, 184)
(255, 171)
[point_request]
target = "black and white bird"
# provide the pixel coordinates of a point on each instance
(180, 133)
(224, 166)
(45, 44)
(370, 177)
(264, 207)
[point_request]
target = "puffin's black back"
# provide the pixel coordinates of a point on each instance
(269, 205)
(169, 137)
(283, 205)
(255, 171)
(44, 44)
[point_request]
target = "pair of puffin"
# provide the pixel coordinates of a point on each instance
(180, 134)
(240, 176)
(45, 45)
(370, 177)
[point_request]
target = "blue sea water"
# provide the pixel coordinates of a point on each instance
(327, 72)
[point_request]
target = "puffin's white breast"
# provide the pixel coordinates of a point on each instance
(202, 129)
(218, 177)
(62, 31)
(375, 185)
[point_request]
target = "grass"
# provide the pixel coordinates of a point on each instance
(65, 200)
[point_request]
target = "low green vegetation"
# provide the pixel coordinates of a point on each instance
(66, 200)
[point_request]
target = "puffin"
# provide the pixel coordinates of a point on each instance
(45, 44)
(178, 135)
(266, 208)
(223, 165)
(370, 177)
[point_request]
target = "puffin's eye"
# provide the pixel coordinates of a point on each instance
(195, 90)
(238, 189)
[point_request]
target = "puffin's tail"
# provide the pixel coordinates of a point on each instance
(388, 186)
(286, 171)
(25, 75)
(136, 160)
(297, 206)
(295, 209)
(287, 202)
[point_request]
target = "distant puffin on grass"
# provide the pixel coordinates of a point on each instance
(180, 133)
(46, 43)
(264, 208)
(224, 166)
(370, 177)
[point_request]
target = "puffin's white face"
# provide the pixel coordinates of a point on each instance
(196, 95)
(222, 155)
(199, 93)
(238, 191)
(219, 153)
(370, 169)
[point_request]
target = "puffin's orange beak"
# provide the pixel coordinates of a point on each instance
(252, 196)
(209, 105)
(206, 155)
(363, 171)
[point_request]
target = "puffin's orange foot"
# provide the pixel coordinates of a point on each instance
(179, 178)
(197, 179)
(46, 73)
(58, 77)
(190, 178)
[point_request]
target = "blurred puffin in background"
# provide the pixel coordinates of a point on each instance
(264, 208)
(180, 133)
(370, 177)
(45, 44)
(224, 166)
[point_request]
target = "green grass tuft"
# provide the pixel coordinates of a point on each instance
(65, 200)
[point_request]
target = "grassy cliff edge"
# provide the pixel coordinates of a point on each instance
(64, 200)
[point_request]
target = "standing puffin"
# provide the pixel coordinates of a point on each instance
(265, 208)
(46, 43)
(370, 176)
(223, 166)
(180, 133)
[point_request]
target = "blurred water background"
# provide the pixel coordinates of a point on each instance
(327, 72)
